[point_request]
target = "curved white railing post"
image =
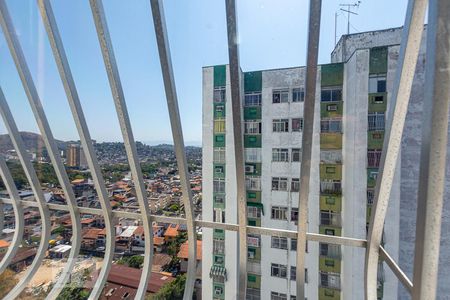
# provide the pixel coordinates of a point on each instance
(235, 85)
(85, 139)
(127, 134)
(18, 214)
(177, 133)
(50, 144)
(315, 8)
(33, 180)
(398, 107)
(433, 159)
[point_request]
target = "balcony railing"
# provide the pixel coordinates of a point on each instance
(432, 163)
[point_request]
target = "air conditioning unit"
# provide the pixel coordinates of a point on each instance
(249, 169)
(218, 291)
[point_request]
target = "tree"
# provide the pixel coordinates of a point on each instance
(173, 290)
(73, 292)
(136, 261)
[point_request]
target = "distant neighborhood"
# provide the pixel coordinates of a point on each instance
(162, 183)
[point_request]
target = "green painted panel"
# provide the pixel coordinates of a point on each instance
(371, 177)
(253, 281)
(254, 196)
(331, 140)
(253, 169)
(330, 230)
(378, 60)
(219, 286)
(375, 139)
(253, 81)
(252, 113)
(331, 171)
(328, 264)
(368, 212)
(329, 294)
(332, 203)
(219, 110)
(377, 102)
(219, 171)
(219, 233)
(252, 141)
(255, 253)
(331, 109)
(220, 76)
(219, 140)
(254, 222)
(332, 74)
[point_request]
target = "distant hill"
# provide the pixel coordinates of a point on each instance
(32, 141)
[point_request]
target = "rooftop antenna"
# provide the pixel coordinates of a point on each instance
(349, 11)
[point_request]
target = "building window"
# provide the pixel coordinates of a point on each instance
(293, 244)
(280, 125)
(330, 280)
(253, 294)
(331, 125)
(253, 212)
(280, 96)
(252, 99)
(279, 242)
(377, 84)
(296, 154)
(219, 215)
(297, 124)
(331, 94)
(294, 273)
(332, 251)
(331, 187)
(295, 184)
(373, 175)
(278, 270)
(219, 246)
(252, 127)
(277, 296)
(219, 199)
(280, 155)
(219, 155)
(252, 154)
(279, 183)
(370, 196)
(375, 121)
(298, 95)
(219, 94)
(330, 218)
(253, 183)
(373, 158)
(279, 213)
(219, 186)
(253, 240)
(294, 214)
(219, 126)
(219, 169)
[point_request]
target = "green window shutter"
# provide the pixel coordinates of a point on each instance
(378, 60)
(220, 76)
(253, 81)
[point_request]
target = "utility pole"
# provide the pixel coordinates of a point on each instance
(349, 11)
(335, 27)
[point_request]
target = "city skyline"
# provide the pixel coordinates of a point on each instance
(265, 27)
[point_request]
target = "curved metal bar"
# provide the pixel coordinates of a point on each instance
(127, 133)
(86, 141)
(398, 107)
(235, 85)
(50, 144)
(177, 133)
(315, 8)
(18, 214)
(433, 157)
(32, 179)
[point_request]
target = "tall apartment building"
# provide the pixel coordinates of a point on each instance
(352, 104)
(75, 157)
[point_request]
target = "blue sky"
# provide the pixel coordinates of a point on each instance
(272, 35)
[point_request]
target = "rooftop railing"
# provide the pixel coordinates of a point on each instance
(432, 163)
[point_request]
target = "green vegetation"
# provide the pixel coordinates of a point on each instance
(173, 290)
(59, 231)
(135, 261)
(73, 291)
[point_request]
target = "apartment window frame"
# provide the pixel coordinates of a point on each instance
(253, 212)
(296, 154)
(252, 99)
(219, 185)
(297, 124)
(377, 83)
(219, 215)
(279, 184)
(218, 246)
(278, 270)
(295, 185)
(331, 94)
(253, 183)
(294, 214)
(219, 94)
(280, 155)
(374, 158)
(219, 126)
(252, 127)
(331, 125)
(298, 95)
(376, 121)
(252, 155)
(279, 213)
(330, 280)
(280, 125)
(219, 155)
(280, 96)
(277, 242)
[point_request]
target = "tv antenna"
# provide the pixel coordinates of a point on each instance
(349, 12)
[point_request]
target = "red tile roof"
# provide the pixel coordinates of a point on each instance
(184, 250)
